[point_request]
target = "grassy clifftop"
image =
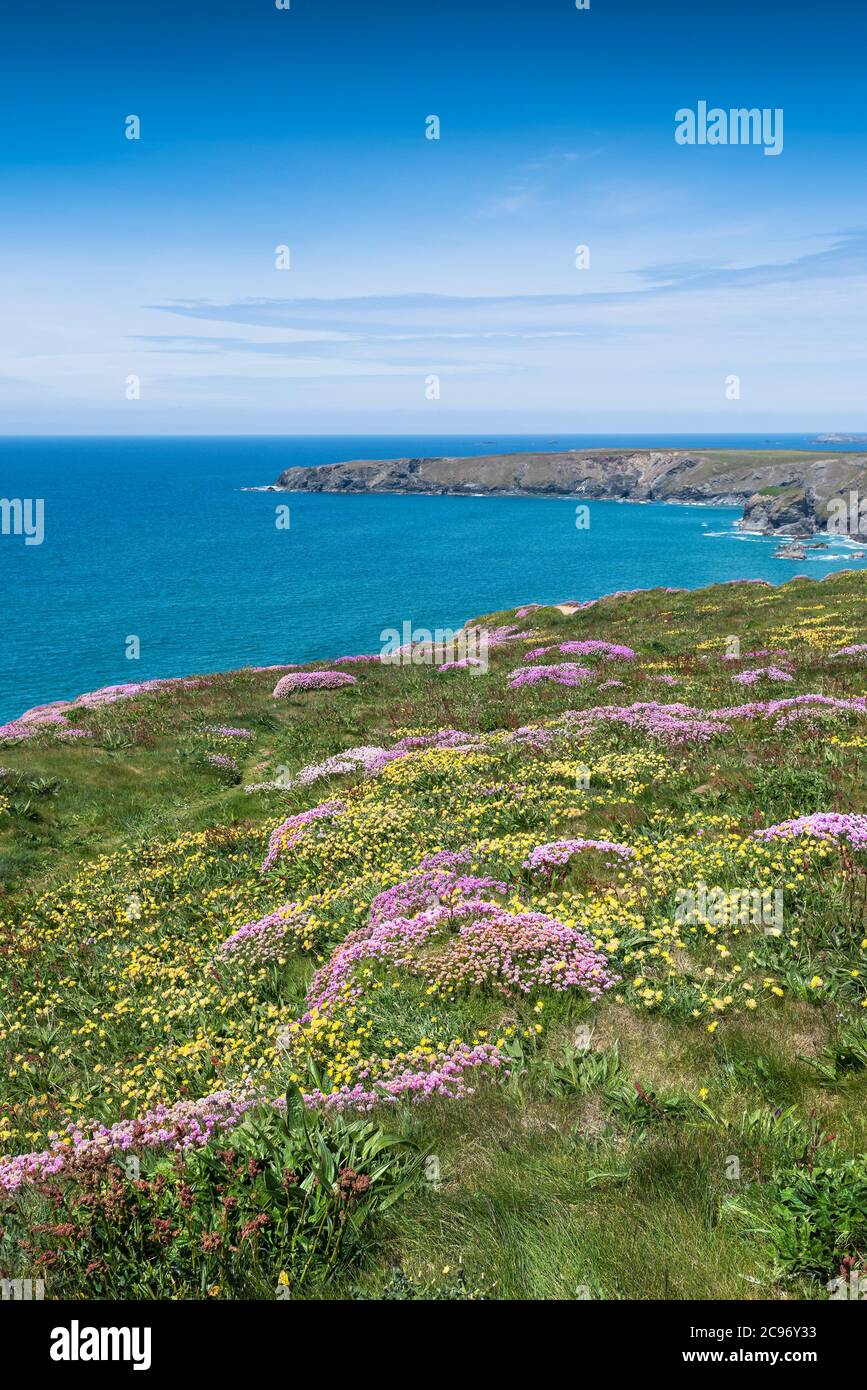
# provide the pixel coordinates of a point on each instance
(559, 991)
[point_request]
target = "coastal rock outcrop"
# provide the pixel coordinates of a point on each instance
(792, 513)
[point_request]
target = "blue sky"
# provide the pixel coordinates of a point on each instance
(413, 258)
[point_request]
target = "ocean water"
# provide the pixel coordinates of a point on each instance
(158, 539)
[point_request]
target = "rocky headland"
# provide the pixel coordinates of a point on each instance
(781, 492)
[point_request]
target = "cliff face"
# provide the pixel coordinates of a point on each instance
(793, 513)
(784, 492)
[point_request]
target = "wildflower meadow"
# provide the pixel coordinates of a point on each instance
(381, 984)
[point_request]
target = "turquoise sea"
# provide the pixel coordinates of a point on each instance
(157, 538)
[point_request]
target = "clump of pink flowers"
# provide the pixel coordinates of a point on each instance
(468, 944)
(16, 732)
(609, 651)
(517, 953)
(287, 835)
(565, 674)
(559, 852)
(226, 731)
(222, 762)
(55, 713)
(810, 718)
(530, 736)
(29, 723)
(769, 673)
(263, 941)
(447, 859)
(444, 1074)
(311, 680)
(350, 760)
(462, 664)
(184, 1125)
(433, 886)
(822, 825)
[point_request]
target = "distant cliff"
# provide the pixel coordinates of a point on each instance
(781, 492)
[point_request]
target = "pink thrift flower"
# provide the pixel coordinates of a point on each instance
(311, 680)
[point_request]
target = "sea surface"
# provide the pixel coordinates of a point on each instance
(159, 539)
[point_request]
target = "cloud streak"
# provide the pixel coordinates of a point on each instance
(441, 317)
